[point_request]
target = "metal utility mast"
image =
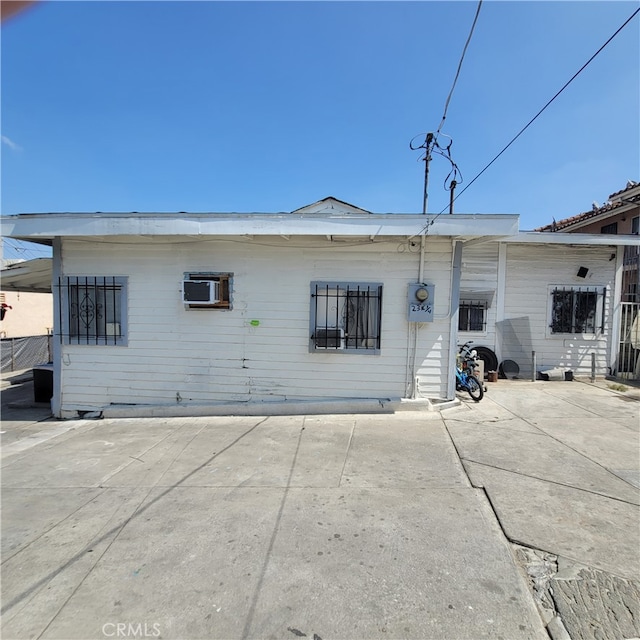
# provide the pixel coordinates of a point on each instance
(428, 145)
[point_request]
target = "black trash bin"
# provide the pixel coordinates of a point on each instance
(43, 382)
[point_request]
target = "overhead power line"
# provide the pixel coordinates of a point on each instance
(431, 140)
(13, 249)
(575, 75)
(455, 80)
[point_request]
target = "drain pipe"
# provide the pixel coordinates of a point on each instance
(416, 328)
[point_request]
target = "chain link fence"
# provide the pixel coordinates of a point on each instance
(24, 353)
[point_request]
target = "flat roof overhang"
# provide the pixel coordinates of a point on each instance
(576, 239)
(43, 228)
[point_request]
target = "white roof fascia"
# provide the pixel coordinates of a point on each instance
(545, 237)
(48, 226)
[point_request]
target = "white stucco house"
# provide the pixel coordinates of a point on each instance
(328, 308)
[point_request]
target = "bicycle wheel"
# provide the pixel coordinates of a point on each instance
(474, 387)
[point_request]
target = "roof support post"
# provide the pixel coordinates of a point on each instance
(56, 399)
(456, 274)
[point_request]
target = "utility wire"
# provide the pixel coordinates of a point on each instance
(455, 80)
(575, 75)
(431, 140)
(14, 249)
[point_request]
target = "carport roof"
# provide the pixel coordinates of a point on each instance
(33, 276)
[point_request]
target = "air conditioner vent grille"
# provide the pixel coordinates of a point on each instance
(200, 292)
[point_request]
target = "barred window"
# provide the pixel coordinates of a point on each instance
(577, 310)
(93, 310)
(609, 228)
(345, 317)
(472, 316)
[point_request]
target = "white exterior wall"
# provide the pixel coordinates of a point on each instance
(217, 356)
(532, 271)
(480, 273)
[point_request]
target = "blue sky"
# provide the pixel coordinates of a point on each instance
(268, 106)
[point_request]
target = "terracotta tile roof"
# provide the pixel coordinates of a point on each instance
(630, 185)
(615, 201)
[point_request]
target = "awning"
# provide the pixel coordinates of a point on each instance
(33, 276)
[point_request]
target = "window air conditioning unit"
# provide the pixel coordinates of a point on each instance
(329, 338)
(200, 291)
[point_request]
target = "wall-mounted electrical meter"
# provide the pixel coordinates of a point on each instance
(421, 300)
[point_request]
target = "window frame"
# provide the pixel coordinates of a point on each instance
(374, 291)
(116, 289)
(600, 293)
(469, 305)
(610, 229)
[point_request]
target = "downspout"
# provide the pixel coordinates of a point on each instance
(56, 399)
(456, 274)
(416, 325)
(423, 246)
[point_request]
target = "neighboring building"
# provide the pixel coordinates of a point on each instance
(329, 308)
(26, 316)
(619, 216)
(28, 310)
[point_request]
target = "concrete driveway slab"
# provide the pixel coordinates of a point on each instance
(322, 454)
(601, 402)
(188, 562)
(537, 403)
(468, 415)
(40, 578)
(402, 451)
(539, 456)
(206, 456)
(262, 457)
(341, 527)
(260, 562)
(583, 526)
(46, 512)
(367, 563)
(599, 440)
(286, 546)
(83, 455)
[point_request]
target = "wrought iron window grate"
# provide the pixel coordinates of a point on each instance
(472, 316)
(90, 309)
(577, 310)
(346, 316)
